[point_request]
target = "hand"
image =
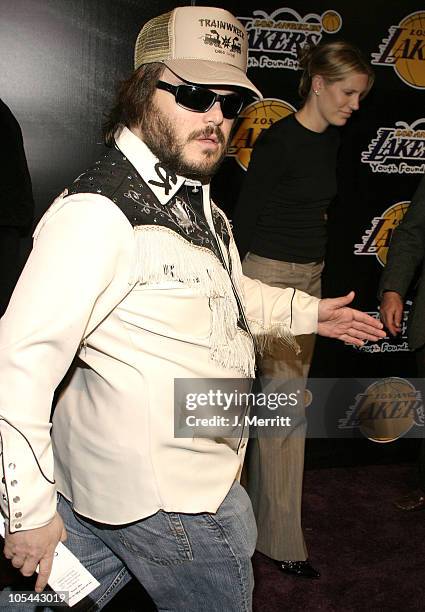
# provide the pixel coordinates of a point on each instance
(27, 549)
(391, 311)
(346, 324)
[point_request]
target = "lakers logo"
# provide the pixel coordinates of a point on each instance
(251, 122)
(275, 38)
(404, 50)
(376, 240)
(386, 410)
(398, 150)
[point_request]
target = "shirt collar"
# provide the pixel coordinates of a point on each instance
(162, 183)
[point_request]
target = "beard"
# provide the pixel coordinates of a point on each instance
(161, 138)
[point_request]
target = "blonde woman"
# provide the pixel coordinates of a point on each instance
(280, 230)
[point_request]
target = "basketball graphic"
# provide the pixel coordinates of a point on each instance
(376, 240)
(388, 409)
(403, 50)
(410, 64)
(331, 22)
(391, 217)
(251, 122)
(308, 397)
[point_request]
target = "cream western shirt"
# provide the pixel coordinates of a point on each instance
(95, 287)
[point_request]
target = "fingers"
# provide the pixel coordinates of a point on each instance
(368, 324)
(369, 332)
(397, 314)
(33, 547)
(393, 327)
(348, 339)
(16, 557)
(18, 561)
(25, 563)
(7, 552)
(339, 302)
(30, 566)
(387, 320)
(363, 318)
(391, 312)
(360, 335)
(45, 567)
(358, 338)
(355, 331)
(330, 307)
(394, 323)
(364, 335)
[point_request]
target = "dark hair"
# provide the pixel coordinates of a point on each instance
(334, 61)
(133, 97)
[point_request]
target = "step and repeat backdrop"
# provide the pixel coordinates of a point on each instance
(60, 61)
(382, 155)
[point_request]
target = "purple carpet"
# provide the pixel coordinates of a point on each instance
(369, 553)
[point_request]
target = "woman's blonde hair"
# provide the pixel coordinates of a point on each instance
(333, 61)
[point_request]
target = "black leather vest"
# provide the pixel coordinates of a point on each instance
(116, 178)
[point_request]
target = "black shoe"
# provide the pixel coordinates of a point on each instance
(301, 569)
(415, 500)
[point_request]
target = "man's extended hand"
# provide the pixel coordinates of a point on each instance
(347, 324)
(391, 311)
(27, 549)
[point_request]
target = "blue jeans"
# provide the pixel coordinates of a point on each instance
(186, 562)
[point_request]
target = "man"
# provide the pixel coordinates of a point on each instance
(406, 256)
(135, 271)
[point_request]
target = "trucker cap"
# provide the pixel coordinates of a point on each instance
(200, 44)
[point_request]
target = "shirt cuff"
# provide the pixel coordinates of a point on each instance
(27, 488)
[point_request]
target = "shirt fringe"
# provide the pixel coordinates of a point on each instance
(265, 338)
(164, 256)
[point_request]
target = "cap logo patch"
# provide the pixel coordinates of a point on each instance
(225, 42)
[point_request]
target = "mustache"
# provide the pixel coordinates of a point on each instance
(207, 133)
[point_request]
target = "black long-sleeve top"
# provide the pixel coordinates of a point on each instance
(16, 199)
(291, 179)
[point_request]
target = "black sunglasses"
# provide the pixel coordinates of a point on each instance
(200, 99)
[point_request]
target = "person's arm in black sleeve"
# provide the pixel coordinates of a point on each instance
(406, 252)
(407, 246)
(264, 170)
(17, 204)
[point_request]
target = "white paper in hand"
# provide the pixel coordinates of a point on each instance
(68, 574)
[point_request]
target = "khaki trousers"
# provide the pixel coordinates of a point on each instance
(274, 467)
